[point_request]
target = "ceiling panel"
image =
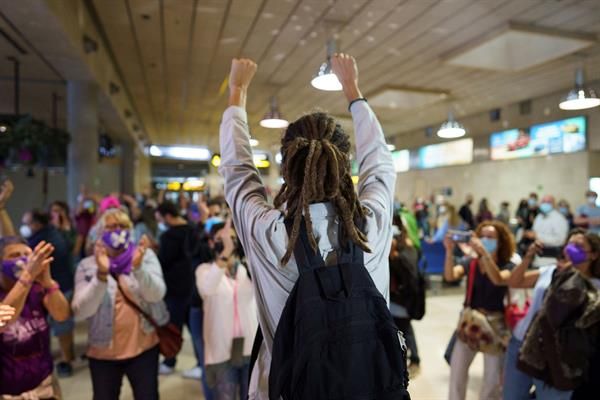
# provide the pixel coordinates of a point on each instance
(175, 56)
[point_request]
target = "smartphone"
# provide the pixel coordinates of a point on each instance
(460, 236)
(550, 252)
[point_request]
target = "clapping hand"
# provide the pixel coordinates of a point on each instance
(101, 256)
(39, 262)
(138, 256)
(6, 191)
(7, 313)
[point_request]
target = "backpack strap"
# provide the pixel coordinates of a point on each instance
(306, 258)
(258, 341)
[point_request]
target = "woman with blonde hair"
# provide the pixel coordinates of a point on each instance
(109, 287)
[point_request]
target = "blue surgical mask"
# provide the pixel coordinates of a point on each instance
(546, 208)
(531, 202)
(162, 227)
(564, 211)
(489, 244)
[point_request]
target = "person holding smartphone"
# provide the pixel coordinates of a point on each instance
(229, 309)
(487, 267)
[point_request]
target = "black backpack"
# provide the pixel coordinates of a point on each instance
(336, 339)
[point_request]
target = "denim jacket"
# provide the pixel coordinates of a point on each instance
(94, 300)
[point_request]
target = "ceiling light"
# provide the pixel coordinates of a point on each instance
(3, 128)
(216, 161)
(451, 128)
(273, 119)
(325, 78)
(253, 142)
(580, 97)
(391, 147)
(278, 158)
(155, 151)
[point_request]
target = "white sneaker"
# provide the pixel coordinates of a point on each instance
(192, 373)
(165, 369)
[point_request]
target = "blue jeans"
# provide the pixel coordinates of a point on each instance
(517, 384)
(195, 322)
(546, 392)
(231, 379)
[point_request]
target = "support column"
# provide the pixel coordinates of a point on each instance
(82, 124)
(128, 161)
(143, 175)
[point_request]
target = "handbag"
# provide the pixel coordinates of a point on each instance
(479, 330)
(170, 339)
(513, 313)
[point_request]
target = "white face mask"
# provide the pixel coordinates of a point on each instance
(25, 231)
(591, 200)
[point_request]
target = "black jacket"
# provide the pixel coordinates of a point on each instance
(563, 337)
(174, 254)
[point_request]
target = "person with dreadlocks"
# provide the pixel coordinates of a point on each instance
(317, 188)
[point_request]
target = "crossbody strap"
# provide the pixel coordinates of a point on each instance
(472, 270)
(133, 304)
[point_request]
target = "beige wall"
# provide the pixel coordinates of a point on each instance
(564, 175)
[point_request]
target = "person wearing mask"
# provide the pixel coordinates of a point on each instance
(121, 342)
(229, 315)
(565, 209)
(504, 213)
(448, 220)
(588, 215)
(107, 203)
(551, 229)
(328, 202)
(174, 253)
(517, 384)
(405, 291)
(85, 218)
(529, 350)
(488, 270)
(532, 210)
(466, 214)
(522, 215)
(26, 285)
(484, 213)
(36, 228)
(60, 217)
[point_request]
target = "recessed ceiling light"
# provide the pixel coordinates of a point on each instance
(294, 17)
(229, 40)
(298, 27)
(275, 32)
(268, 15)
(370, 39)
(393, 25)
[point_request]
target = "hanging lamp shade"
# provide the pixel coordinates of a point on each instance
(580, 97)
(451, 129)
(325, 79)
(273, 118)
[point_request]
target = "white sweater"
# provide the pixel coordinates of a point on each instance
(261, 227)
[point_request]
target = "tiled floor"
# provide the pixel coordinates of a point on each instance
(432, 333)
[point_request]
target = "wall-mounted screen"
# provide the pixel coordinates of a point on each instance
(457, 152)
(564, 136)
(401, 160)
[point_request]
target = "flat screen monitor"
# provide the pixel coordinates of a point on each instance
(457, 152)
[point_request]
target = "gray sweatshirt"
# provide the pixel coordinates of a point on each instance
(262, 230)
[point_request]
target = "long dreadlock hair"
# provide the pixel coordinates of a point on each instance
(316, 168)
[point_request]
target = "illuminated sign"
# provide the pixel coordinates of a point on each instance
(564, 136)
(457, 152)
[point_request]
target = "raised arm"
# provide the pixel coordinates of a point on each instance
(377, 176)
(452, 271)
(521, 277)
(6, 225)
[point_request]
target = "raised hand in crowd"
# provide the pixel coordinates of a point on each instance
(140, 250)
(6, 226)
(240, 76)
(7, 313)
(345, 68)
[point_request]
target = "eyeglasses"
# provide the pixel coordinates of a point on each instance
(114, 227)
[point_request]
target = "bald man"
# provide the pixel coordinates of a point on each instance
(551, 228)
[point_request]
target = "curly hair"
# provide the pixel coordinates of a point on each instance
(316, 168)
(506, 240)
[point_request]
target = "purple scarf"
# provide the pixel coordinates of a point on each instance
(122, 263)
(11, 267)
(120, 240)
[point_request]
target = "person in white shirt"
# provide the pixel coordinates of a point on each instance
(229, 310)
(551, 229)
(314, 146)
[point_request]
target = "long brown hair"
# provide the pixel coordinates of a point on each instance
(316, 168)
(506, 240)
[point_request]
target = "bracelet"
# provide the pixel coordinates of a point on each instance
(54, 288)
(356, 100)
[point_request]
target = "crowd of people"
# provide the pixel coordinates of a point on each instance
(138, 269)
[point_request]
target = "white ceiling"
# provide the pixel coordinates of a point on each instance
(175, 55)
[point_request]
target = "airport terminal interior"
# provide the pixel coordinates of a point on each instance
(179, 177)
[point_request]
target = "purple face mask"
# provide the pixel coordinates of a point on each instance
(12, 268)
(122, 263)
(576, 254)
(117, 239)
